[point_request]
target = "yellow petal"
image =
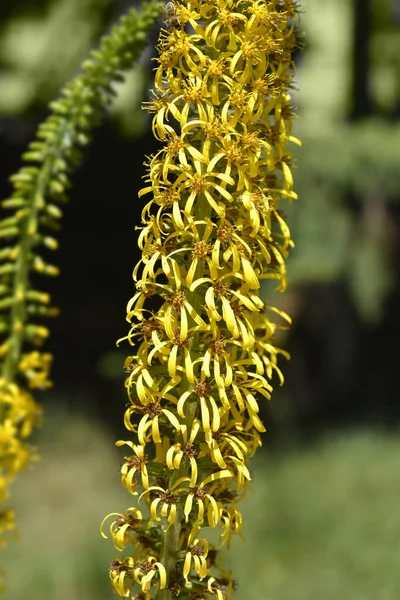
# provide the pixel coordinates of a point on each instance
(186, 566)
(163, 575)
(205, 417)
(172, 514)
(153, 509)
(193, 478)
(212, 511)
(172, 361)
(188, 506)
(142, 429)
(155, 432)
(172, 419)
(181, 403)
(184, 325)
(200, 514)
(195, 430)
(216, 476)
(189, 367)
(145, 476)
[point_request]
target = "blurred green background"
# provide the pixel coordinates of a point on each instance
(323, 522)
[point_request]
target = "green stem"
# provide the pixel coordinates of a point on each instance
(21, 276)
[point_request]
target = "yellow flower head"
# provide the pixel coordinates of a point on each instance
(212, 230)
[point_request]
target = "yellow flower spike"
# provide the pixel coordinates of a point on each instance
(212, 229)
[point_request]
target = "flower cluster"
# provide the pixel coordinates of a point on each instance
(22, 414)
(203, 337)
(34, 210)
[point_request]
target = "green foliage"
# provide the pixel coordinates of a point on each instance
(323, 522)
(40, 51)
(385, 57)
(357, 157)
(347, 176)
(40, 187)
(334, 241)
(329, 525)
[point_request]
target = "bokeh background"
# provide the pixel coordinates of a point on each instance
(323, 522)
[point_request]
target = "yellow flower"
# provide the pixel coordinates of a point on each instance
(152, 414)
(8, 439)
(232, 523)
(179, 451)
(4, 491)
(242, 472)
(203, 390)
(199, 180)
(21, 415)
(134, 464)
(201, 496)
(24, 412)
(201, 252)
(145, 571)
(36, 368)
(227, 440)
(225, 19)
(121, 573)
(166, 498)
(222, 587)
(196, 553)
(122, 525)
